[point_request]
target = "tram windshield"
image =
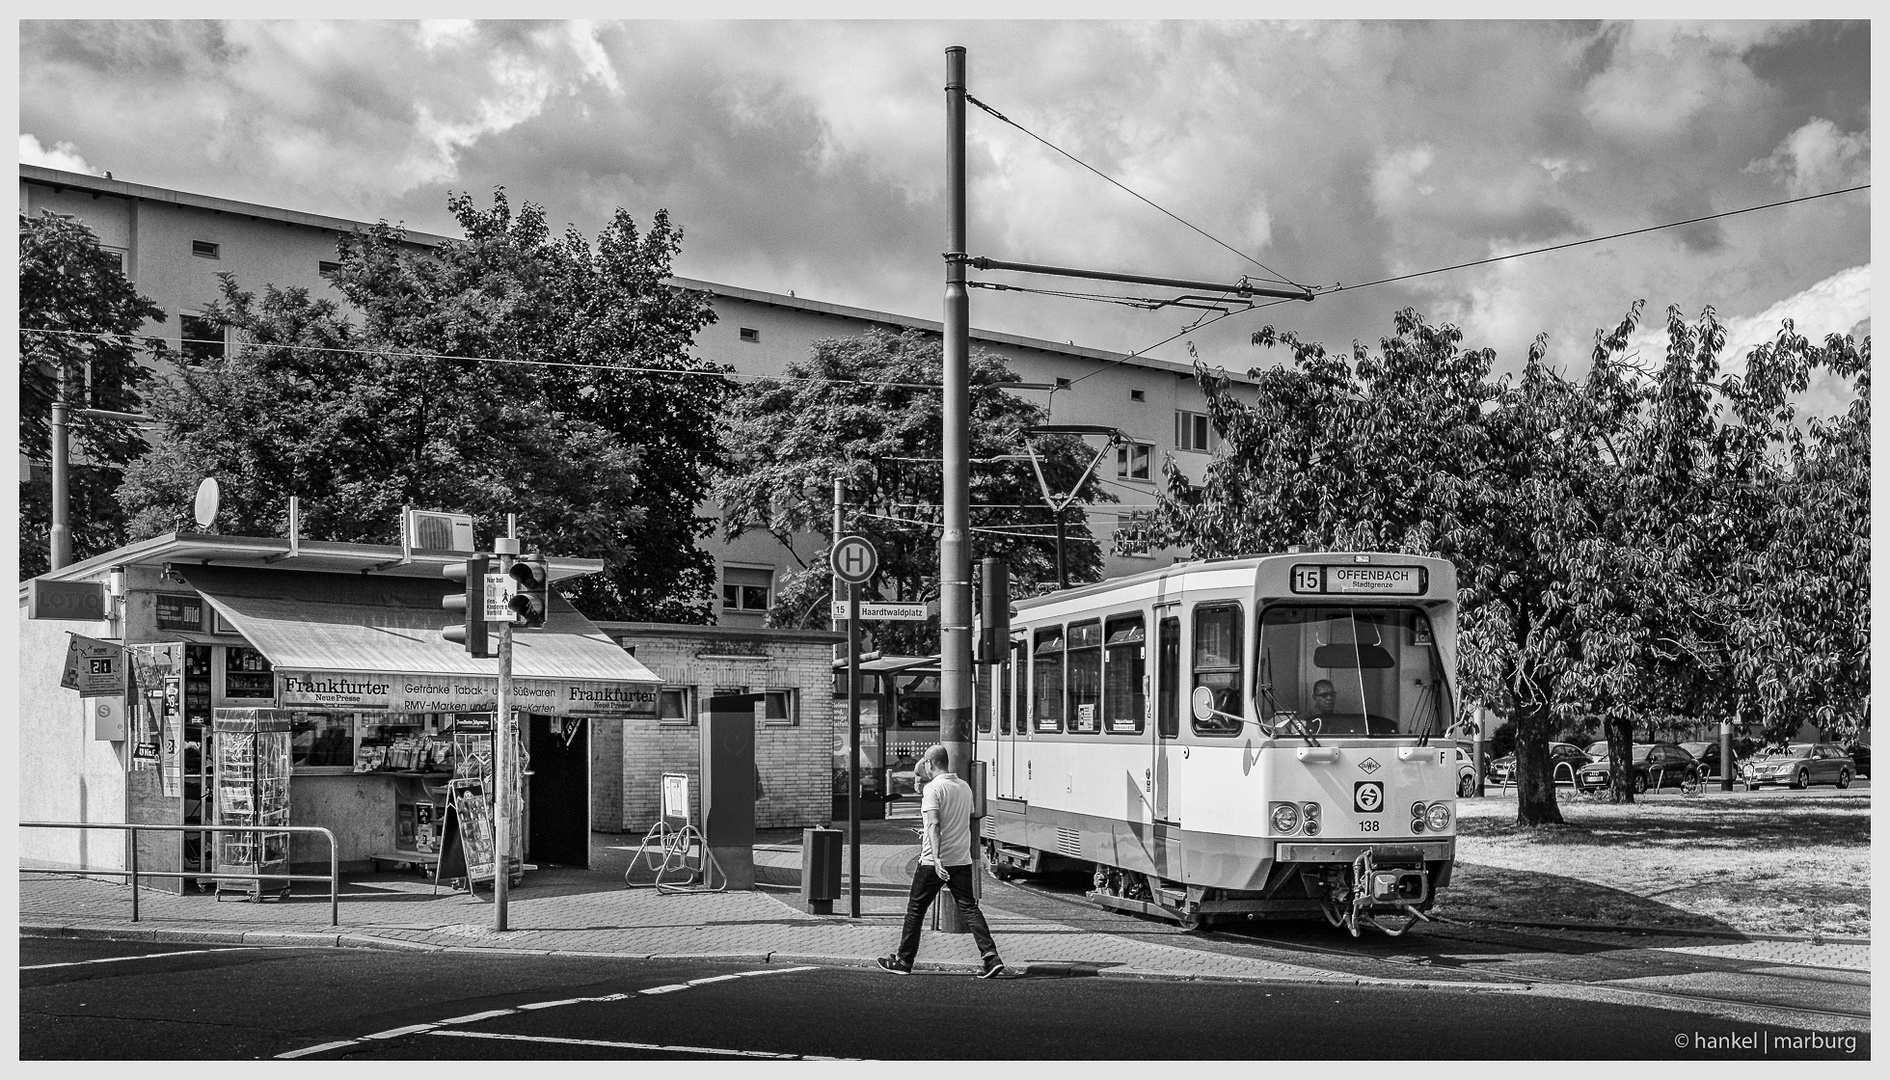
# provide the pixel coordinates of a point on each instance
(1349, 671)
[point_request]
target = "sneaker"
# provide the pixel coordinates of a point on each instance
(993, 967)
(895, 965)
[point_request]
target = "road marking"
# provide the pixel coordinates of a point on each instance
(140, 956)
(432, 1028)
(611, 1045)
(307, 1050)
(472, 1018)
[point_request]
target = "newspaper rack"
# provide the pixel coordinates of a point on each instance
(678, 853)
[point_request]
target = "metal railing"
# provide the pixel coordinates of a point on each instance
(132, 874)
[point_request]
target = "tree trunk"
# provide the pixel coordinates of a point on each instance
(1621, 759)
(1535, 787)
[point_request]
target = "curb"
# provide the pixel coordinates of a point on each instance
(1042, 969)
(1656, 931)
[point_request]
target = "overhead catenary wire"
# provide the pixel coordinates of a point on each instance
(1340, 287)
(1276, 275)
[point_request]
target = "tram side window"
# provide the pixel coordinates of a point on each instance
(1124, 666)
(981, 696)
(1168, 681)
(1004, 698)
(1085, 660)
(1217, 664)
(1046, 679)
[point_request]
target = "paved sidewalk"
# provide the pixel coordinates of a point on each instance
(591, 912)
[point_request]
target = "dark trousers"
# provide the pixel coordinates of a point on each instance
(925, 885)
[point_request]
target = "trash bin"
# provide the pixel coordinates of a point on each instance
(820, 869)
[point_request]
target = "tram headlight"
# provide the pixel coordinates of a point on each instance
(1310, 811)
(1438, 817)
(1285, 816)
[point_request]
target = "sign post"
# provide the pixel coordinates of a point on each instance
(503, 819)
(854, 561)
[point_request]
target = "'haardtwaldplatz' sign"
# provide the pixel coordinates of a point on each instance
(460, 693)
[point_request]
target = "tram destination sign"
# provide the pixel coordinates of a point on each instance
(1359, 578)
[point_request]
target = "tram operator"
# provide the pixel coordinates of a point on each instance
(944, 861)
(1323, 699)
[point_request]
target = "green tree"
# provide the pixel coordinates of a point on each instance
(868, 410)
(508, 372)
(78, 313)
(1623, 551)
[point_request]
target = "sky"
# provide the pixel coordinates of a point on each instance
(809, 156)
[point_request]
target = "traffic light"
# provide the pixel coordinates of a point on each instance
(531, 596)
(994, 639)
(472, 632)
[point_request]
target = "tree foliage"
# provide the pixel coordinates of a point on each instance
(869, 410)
(1626, 550)
(508, 372)
(78, 313)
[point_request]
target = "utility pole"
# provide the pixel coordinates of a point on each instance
(60, 535)
(954, 574)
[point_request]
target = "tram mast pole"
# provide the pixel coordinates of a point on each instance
(954, 574)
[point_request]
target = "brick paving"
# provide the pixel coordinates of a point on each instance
(591, 912)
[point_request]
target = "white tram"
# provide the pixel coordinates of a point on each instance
(1163, 729)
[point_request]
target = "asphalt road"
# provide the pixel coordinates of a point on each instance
(123, 1000)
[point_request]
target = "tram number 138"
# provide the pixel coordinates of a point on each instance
(1367, 825)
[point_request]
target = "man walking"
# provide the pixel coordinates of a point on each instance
(944, 860)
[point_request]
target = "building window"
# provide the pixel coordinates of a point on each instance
(746, 588)
(1132, 461)
(1193, 432)
(1138, 395)
(749, 333)
(675, 707)
(204, 249)
(327, 269)
(777, 707)
(321, 740)
(115, 256)
(200, 338)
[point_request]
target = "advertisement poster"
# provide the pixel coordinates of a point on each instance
(94, 668)
(171, 754)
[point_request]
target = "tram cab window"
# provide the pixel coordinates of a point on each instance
(1085, 667)
(1046, 680)
(1124, 666)
(1217, 666)
(1378, 669)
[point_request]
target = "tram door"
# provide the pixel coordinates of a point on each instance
(1011, 731)
(1165, 705)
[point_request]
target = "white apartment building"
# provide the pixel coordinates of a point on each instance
(174, 243)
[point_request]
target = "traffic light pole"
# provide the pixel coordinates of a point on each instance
(503, 815)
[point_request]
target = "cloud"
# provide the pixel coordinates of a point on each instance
(1817, 158)
(61, 155)
(808, 155)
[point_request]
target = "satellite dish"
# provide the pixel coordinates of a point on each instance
(209, 496)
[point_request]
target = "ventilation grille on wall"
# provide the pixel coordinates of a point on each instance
(434, 530)
(1069, 843)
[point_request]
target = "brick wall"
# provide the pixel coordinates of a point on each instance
(795, 761)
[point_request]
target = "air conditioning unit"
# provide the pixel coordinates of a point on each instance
(436, 530)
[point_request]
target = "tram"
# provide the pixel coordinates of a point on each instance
(1253, 737)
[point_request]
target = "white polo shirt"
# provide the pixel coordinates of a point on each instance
(950, 797)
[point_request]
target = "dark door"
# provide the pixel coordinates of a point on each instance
(559, 791)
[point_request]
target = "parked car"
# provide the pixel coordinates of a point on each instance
(1597, 749)
(1654, 765)
(1801, 765)
(1860, 759)
(1707, 754)
(1466, 774)
(1503, 769)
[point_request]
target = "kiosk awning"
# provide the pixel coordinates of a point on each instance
(348, 640)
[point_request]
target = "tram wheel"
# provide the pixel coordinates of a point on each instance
(1193, 921)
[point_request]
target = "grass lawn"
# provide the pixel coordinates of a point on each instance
(1712, 862)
